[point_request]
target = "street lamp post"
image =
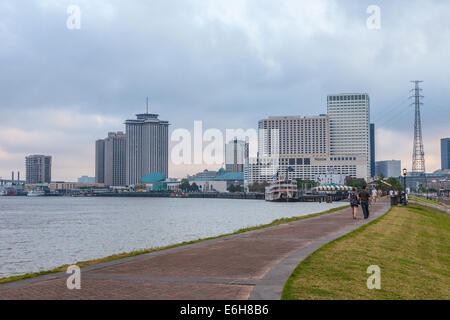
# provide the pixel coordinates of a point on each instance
(404, 185)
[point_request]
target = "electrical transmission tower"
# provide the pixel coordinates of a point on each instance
(418, 163)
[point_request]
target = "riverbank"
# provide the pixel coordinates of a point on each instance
(411, 245)
(114, 257)
(248, 265)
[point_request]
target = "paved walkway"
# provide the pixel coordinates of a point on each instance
(252, 265)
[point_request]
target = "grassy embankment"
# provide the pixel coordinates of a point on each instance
(411, 245)
(425, 200)
(82, 264)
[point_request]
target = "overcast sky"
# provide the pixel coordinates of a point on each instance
(226, 62)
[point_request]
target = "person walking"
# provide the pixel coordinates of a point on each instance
(374, 195)
(364, 197)
(354, 201)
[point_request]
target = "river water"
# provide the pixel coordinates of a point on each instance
(41, 233)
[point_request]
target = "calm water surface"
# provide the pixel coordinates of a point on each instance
(41, 233)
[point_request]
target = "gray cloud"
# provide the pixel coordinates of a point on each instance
(229, 63)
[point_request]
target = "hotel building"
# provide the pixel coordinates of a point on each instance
(300, 148)
(147, 148)
(38, 169)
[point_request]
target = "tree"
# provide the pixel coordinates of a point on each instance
(184, 185)
(356, 183)
(194, 187)
(396, 185)
(235, 188)
(258, 187)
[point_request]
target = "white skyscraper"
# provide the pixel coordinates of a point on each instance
(236, 152)
(299, 148)
(147, 147)
(350, 125)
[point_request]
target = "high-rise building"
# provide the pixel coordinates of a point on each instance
(112, 151)
(389, 168)
(100, 161)
(294, 135)
(147, 147)
(115, 159)
(445, 153)
(236, 151)
(38, 169)
(372, 150)
(299, 148)
(350, 125)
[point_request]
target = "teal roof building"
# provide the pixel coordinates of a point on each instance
(152, 178)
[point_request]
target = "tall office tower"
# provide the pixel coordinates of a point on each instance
(236, 152)
(445, 153)
(418, 162)
(115, 159)
(350, 125)
(372, 150)
(38, 169)
(147, 147)
(389, 168)
(100, 161)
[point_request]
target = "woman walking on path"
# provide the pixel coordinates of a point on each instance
(354, 201)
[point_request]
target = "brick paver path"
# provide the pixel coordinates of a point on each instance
(250, 265)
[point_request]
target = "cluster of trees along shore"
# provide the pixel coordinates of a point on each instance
(185, 186)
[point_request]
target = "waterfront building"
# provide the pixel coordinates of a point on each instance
(70, 186)
(438, 180)
(112, 150)
(372, 150)
(299, 148)
(100, 161)
(204, 175)
(217, 181)
(445, 153)
(236, 151)
(38, 169)
(330, 178)
(389, 168)
(350, 126)
(147, 148)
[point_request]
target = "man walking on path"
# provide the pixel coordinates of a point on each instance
(364, 197)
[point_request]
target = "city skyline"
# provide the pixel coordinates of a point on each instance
(224, 63)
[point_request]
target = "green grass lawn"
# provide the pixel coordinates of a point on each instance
(419, 199)
(411, 245)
